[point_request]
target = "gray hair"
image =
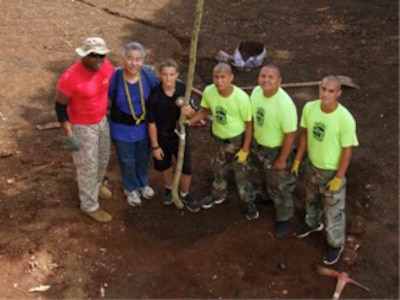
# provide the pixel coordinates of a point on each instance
(134, 46)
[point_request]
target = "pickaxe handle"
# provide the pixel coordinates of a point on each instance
(341, 283)
(358, 284)
(327, 271)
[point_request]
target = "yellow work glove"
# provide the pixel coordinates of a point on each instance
(334, 184)
(187, 123)
(295, 167)
(241, 156)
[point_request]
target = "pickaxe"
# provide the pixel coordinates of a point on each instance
(342, 279)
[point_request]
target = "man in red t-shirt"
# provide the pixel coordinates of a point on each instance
(81, 107)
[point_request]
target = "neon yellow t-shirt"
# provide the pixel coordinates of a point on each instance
(229, 113)
(327, 134)
(273, 117)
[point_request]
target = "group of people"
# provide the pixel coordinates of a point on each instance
(96, 103)
(259, 131)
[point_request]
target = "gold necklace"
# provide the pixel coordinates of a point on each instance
(129, 100)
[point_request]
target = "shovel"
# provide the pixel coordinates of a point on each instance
(344, 80)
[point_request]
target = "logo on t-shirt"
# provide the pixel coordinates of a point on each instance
(319, 131)
(220, 115)
(260, 113)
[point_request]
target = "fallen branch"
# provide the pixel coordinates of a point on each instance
(5, 153)
(48, 126)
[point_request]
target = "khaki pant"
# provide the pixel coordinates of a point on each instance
(322, 202)
(91, 161)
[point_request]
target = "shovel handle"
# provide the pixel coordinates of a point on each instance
(299, 84)
(294, 84)
(197, 91)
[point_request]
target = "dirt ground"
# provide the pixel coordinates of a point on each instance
(162, 252)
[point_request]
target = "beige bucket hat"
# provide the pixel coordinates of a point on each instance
(92, 45)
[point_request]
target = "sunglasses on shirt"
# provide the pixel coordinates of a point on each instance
(96, 55)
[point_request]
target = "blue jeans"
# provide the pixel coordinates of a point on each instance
(133, 159)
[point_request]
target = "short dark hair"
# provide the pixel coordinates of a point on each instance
(333, 78)
(273, 66)
(169, 62)
(223, 66)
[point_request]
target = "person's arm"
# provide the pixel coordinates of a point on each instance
(243, 153)
(156, 150)
(344, 163)
(248, 135)
(188, 111)
(287, 146)
(62, 101)
(197, 116)
(345, 157)
(300, 151)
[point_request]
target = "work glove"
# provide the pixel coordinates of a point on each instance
(295, 167)
(241, 156)
(334, 184)
(72, 143)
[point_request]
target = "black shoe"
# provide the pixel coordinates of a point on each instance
(207, 202)
(191, 203)
(260, 197)
(251, 211)
(219, 200)
(167, 198)
(303, 230)
(282, 229)
(333, 255)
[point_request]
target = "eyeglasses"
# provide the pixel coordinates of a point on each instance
(97, 55)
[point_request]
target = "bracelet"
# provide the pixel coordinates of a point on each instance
(155, 148)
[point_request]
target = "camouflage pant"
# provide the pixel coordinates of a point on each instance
(222, 163)
(91, 161)
(279, 183)
(321, 202)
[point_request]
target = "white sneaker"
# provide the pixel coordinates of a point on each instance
(133, 198)
(147, 192)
